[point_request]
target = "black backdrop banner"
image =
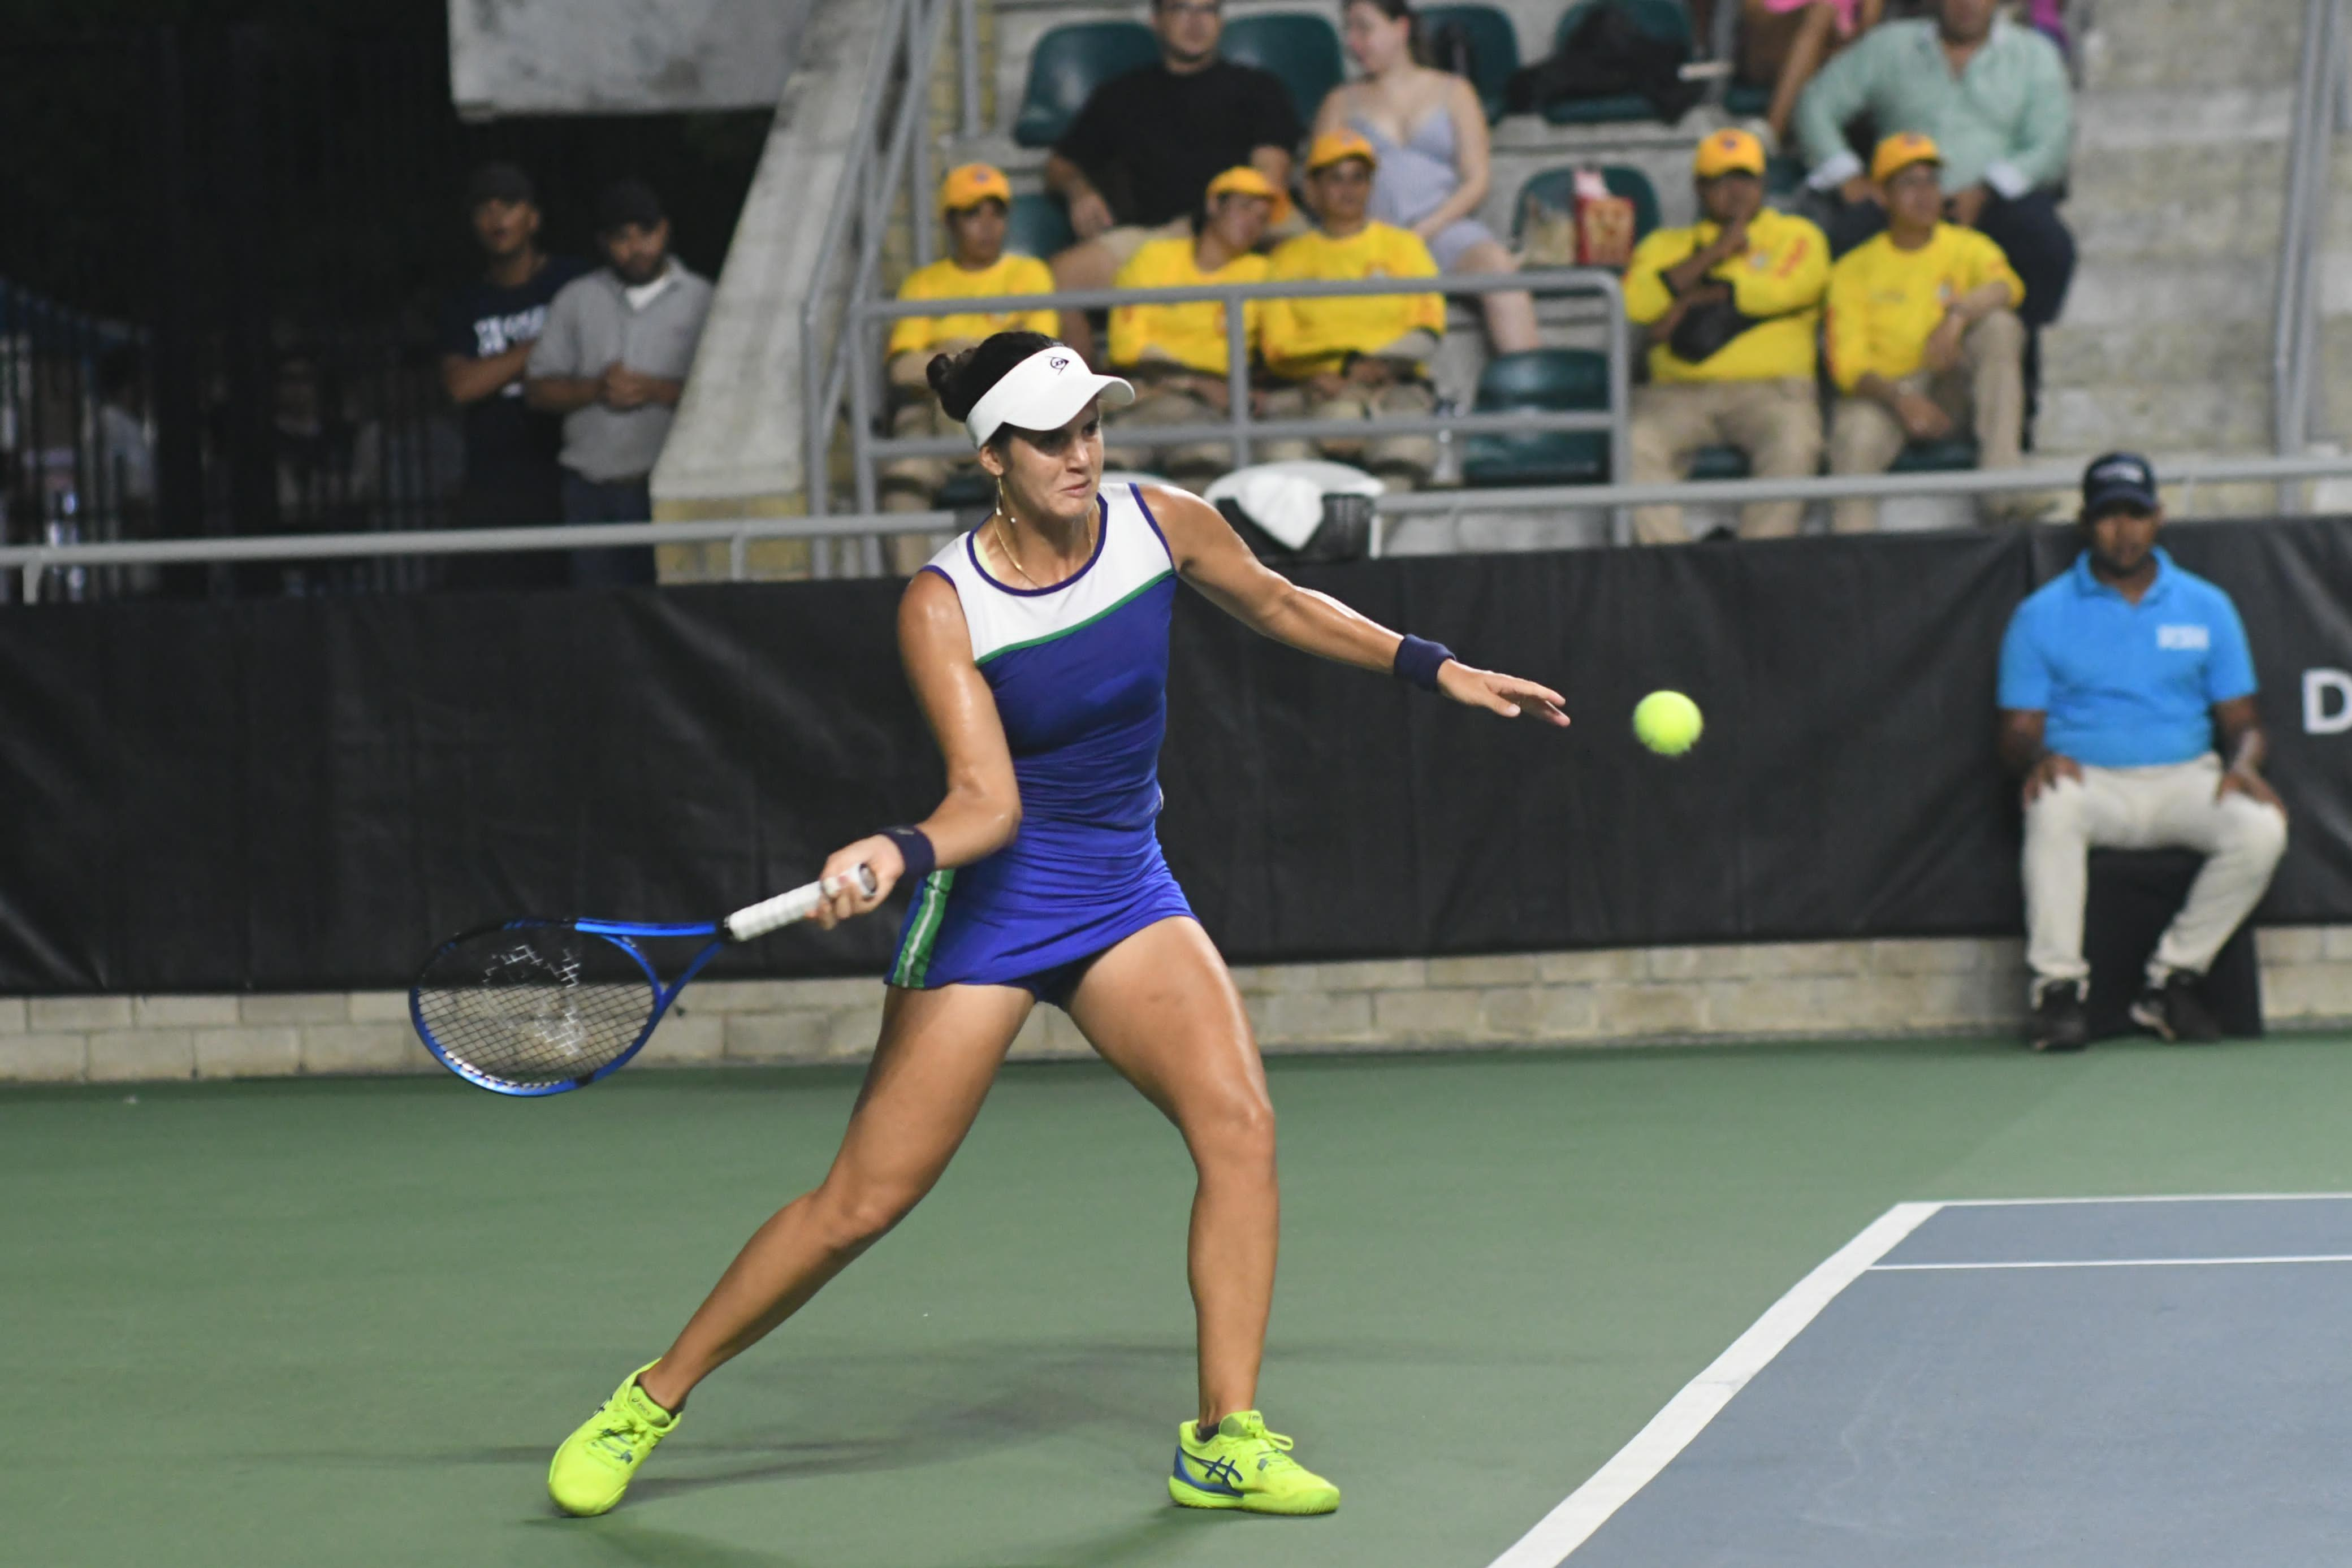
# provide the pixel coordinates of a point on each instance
(306, 793)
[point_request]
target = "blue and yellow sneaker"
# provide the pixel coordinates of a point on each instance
(1242, 1465)
(592, 1468)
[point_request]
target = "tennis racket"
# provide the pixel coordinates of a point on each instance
(536, 1007)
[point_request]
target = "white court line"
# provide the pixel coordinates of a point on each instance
(2158, 1197)
(2113, 1263)
(1670, 1431)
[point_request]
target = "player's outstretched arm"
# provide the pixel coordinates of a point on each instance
(1213, 558)
(981, 809)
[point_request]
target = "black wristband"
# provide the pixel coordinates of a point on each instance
(915, 849)
(1417, 660)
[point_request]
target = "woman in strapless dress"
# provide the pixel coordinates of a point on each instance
(1430, 131)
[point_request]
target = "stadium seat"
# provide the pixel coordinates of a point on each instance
(1747, 100)
(1303, 50)
(1953, 452)
(1719, 463)
(965, 488)
(1494, 47)
(1038, 225)
(1557, 188)
(1559, 380)
(1664, 19)
(1066, 67)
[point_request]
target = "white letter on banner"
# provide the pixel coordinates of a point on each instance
(2316, 686)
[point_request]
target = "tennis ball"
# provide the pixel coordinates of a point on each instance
(1667, 723)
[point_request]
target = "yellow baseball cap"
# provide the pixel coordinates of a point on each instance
(1338, 146)
(1901, 151)
(1242, 181)
(1730, 152)
(971, 185)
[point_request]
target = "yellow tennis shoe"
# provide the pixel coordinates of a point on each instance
(1244, 1466)
(592, 1468)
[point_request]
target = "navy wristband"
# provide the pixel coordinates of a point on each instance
(915, 849)
(1417, 659)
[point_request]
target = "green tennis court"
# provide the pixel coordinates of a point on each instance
(333, 1322)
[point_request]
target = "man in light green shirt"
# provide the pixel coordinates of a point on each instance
(1993, 96)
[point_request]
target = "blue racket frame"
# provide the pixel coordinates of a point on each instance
(620, 934)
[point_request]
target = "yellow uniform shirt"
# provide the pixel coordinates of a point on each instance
(943, 279)
(1302, 337)
(1885, 303)
(1193, 335)
(1783, 275)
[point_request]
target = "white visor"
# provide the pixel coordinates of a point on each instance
(1043, 392)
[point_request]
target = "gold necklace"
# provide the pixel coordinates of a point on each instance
(1004, 548)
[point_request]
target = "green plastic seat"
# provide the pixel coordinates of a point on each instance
(1719, 463)
(1746, 99)
(965, 487)
(1038, 225)
(1303, 50)
(1556, 380)
(1493, 47)
(1948, 455)
(1557, 188)
(1066, 67)
(1662, 19)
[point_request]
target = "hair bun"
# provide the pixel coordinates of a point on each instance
(941, 373)
(963, 379)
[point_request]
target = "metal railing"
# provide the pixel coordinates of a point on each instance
(2319, 106)
(739, 534)
(1241, 426)
(895, 93)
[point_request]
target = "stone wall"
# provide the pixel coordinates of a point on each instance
(1618, 997)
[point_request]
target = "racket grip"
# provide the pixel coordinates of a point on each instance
(770, 915)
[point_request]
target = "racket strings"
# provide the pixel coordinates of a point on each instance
(534, 1005)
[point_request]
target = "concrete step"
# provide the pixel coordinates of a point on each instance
(2186, 47)
(2179, 204)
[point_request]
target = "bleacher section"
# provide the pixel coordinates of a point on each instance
(2175, 199)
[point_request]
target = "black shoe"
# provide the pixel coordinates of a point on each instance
(2059, 1021)
(2175, 1011)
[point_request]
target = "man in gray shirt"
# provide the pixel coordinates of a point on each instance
(613, 360)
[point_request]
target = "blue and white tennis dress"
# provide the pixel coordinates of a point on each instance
(1080, 675)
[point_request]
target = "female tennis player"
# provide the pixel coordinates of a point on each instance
(1037, 645)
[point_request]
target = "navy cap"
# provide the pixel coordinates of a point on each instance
(626, 202)
(2118, 479)
(499, 181)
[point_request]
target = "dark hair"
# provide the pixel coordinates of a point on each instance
(1397, 11)
(963, 379)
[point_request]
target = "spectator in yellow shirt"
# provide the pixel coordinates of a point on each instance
(1178, 355)
(1731, 306)
(1923, 335)
(1353, 358)
(973, 201)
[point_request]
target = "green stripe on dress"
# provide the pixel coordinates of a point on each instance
(1124, 600)
(915, 957)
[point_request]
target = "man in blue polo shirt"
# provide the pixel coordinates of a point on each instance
(2116, 678)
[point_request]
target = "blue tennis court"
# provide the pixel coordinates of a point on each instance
(2144, 1382)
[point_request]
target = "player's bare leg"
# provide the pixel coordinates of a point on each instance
(1161, 1009)
(939, 1052)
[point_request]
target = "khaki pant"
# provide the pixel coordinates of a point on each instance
(1408, 458)
(1777, 423)
(907, 484)
(1192, 464)
(1984, 393)
(2167, 807)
